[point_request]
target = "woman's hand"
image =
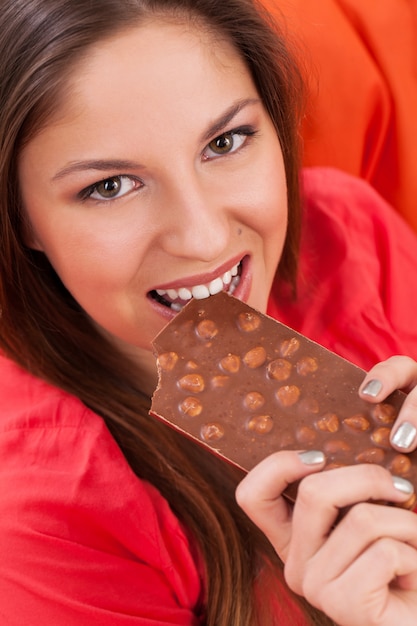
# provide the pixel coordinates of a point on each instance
(361, 568)
(398, 372)
(361, 572)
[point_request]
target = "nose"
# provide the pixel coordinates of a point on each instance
(196, 219)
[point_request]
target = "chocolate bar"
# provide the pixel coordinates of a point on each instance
(245, 385)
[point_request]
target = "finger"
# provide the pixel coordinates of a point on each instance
(363, 525)
(363, 591)
(319, 501)
(260, 493)
(398, 372)
(404, 433)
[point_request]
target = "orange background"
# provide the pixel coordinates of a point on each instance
(362, 113)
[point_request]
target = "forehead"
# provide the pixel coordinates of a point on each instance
(154, 59)
(158, 84)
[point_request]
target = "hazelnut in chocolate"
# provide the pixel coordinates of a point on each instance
(245, 386)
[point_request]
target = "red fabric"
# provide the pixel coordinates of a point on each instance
(361, 58)
(358, 272)
(82, 539)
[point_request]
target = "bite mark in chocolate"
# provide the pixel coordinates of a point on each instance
(245, 385)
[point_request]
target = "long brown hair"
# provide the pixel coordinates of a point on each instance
(43, 328)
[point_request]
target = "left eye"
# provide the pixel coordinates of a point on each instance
(225, 144)
(111, 188)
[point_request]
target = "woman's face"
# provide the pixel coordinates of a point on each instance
(160, 178)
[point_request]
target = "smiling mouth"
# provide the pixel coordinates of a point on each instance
(176, 299)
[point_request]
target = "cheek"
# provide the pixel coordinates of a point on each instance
(270, 184)
(88, 257)
(277, 199)
(276, 212)
(274, 219)
(270, 215)
(274, 235)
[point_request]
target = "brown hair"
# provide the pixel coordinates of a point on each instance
(44, 329)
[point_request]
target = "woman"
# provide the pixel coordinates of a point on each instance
(148, 154)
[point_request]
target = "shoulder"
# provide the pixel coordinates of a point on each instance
(347, 223)
(355, 252)
(71, 501)
(48, 436)
(27, 401)
(331, 191)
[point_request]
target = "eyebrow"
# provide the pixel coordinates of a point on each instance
(101, 165)
(105, 165)
(220, 123)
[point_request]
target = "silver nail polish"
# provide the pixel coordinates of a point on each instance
(403, 485)
(312, 457)
(404, 436)
(372, 388)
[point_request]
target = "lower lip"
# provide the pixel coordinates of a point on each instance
(241, 292)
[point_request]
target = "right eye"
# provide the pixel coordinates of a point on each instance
(111, 188)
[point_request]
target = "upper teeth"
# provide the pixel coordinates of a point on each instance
(199, 292)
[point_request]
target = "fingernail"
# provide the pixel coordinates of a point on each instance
(403, 485)
(372, 388)
(312, 457)
(404, 436)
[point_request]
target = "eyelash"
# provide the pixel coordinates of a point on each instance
(242, 131)
(87, 193)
